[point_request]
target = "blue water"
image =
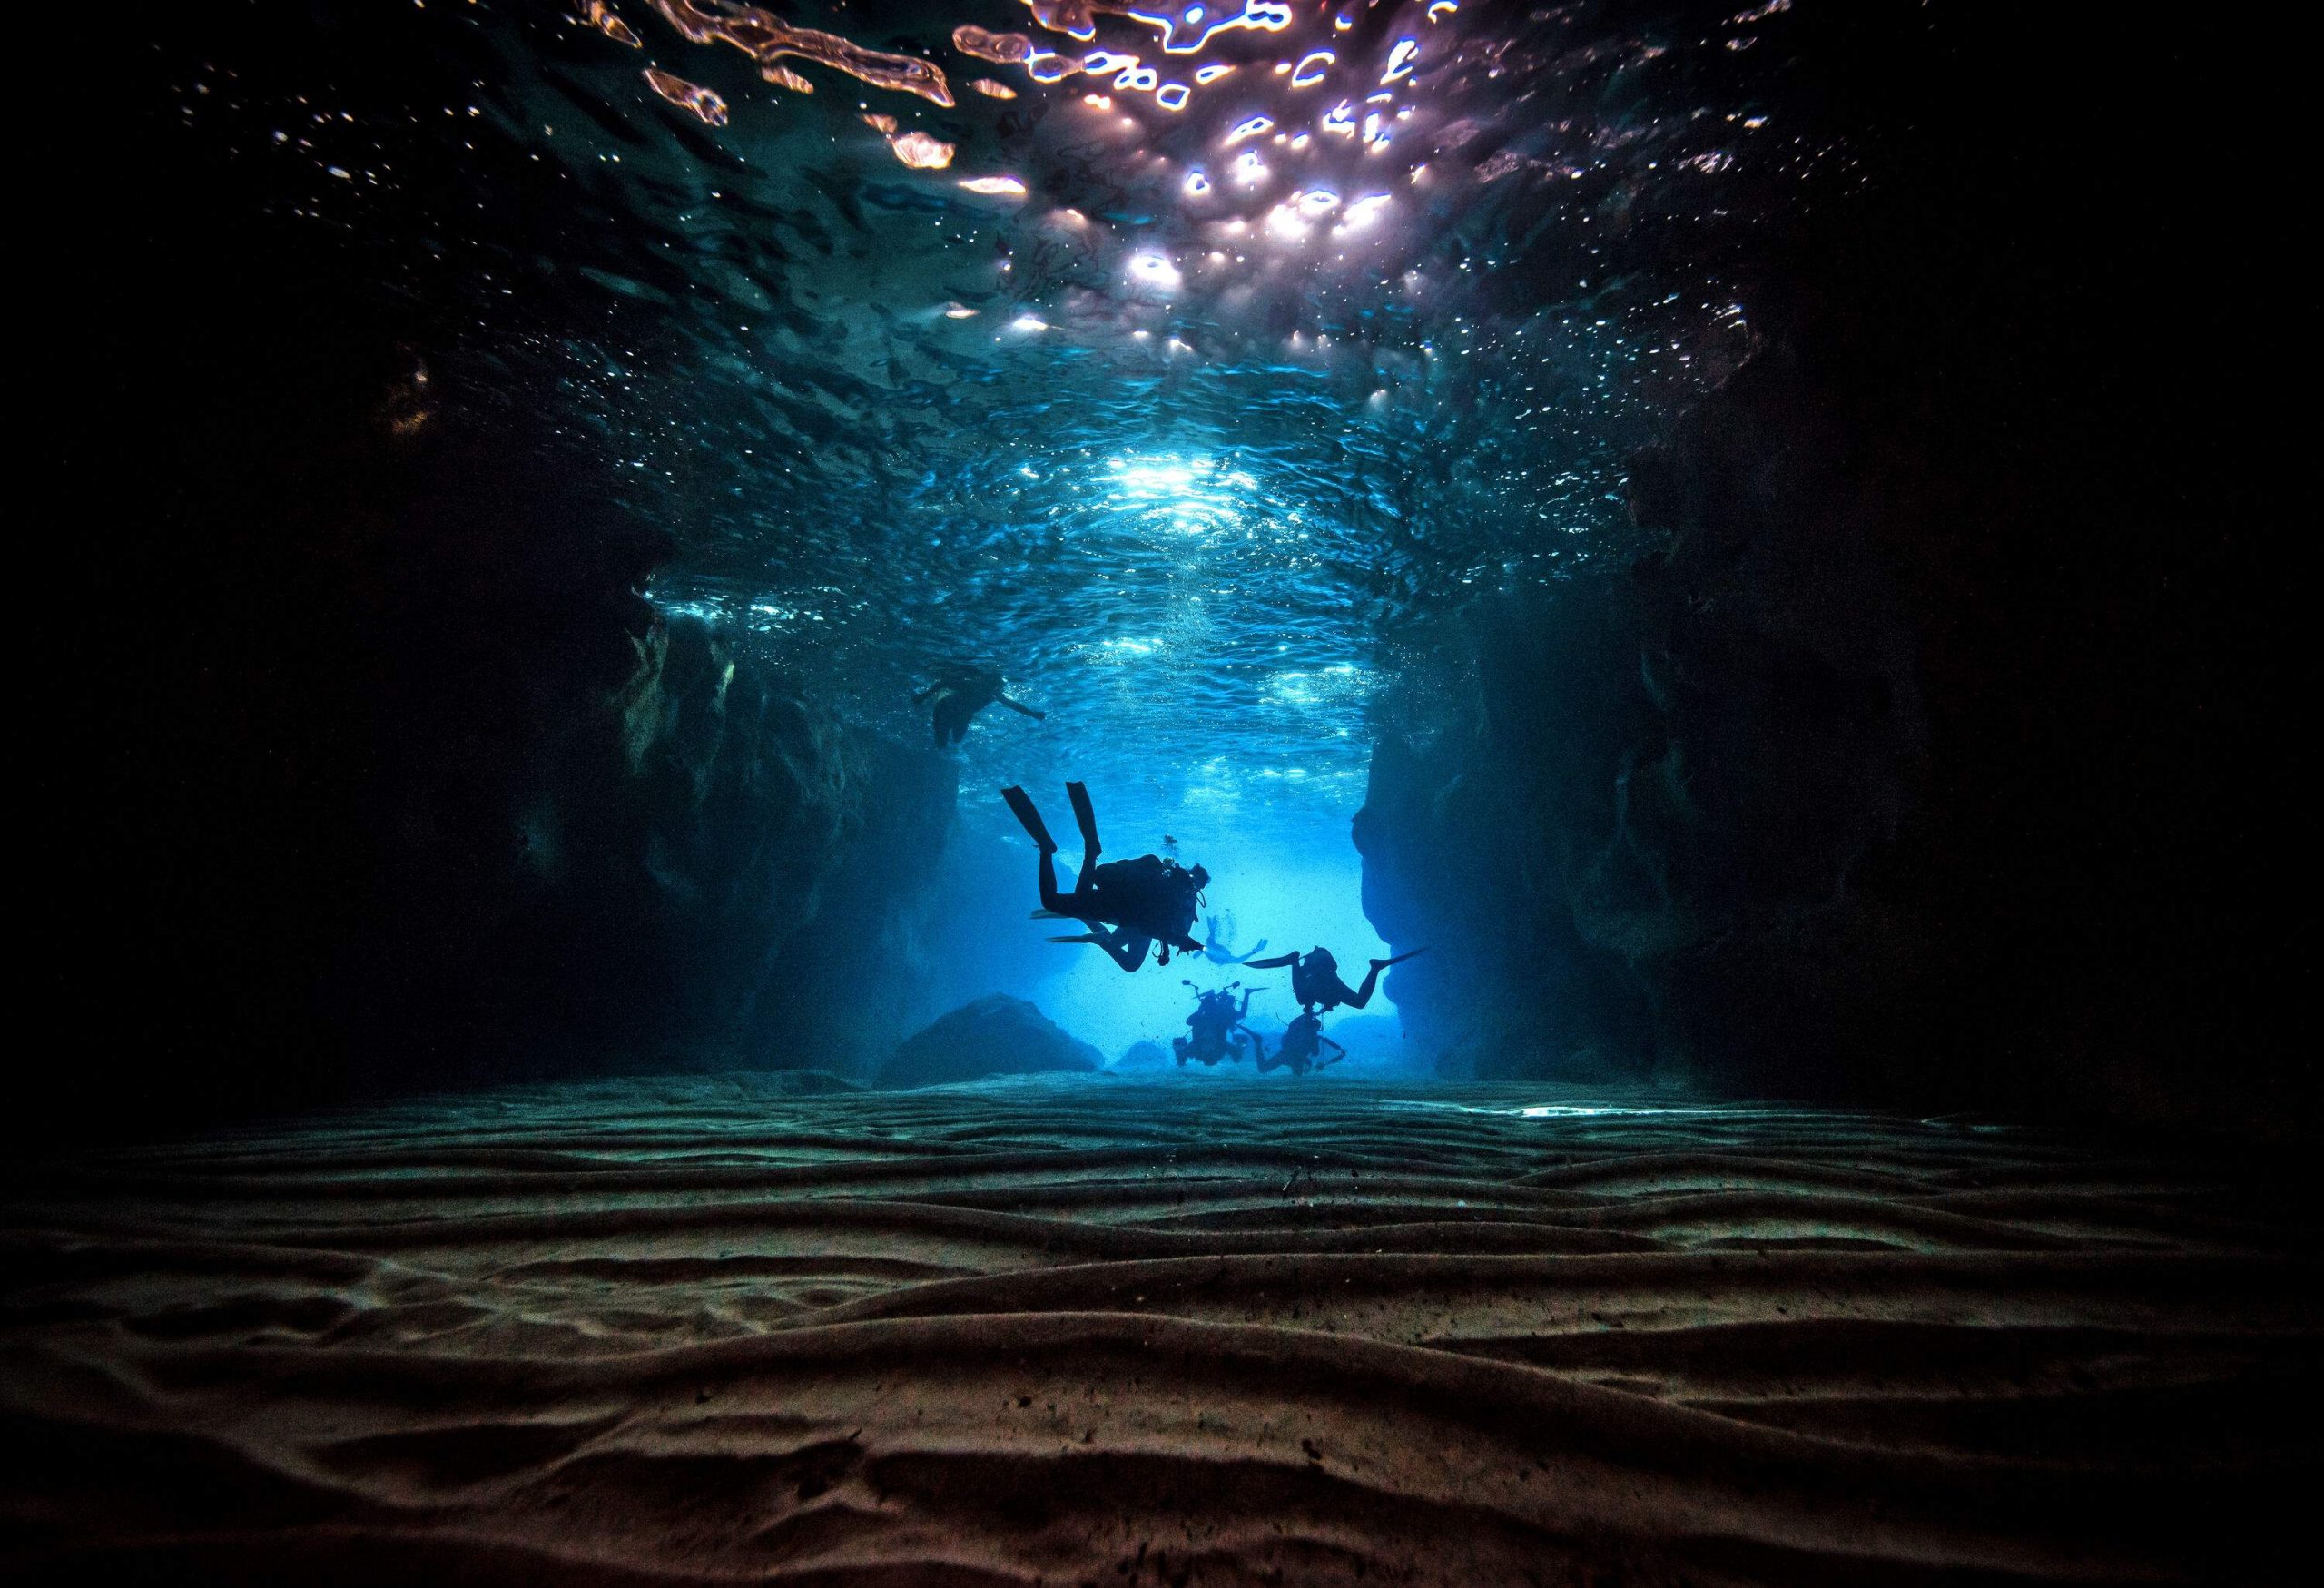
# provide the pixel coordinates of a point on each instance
(1203, 430)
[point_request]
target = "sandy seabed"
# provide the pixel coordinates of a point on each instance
(1180, 1330)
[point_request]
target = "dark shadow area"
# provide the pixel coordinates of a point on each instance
(373, 770)
(1932, 746)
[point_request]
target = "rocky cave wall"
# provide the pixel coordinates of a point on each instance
(368, 768)
(1925, 744)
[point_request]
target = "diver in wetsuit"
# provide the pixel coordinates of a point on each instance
(958, 695)
(1130, 904)
(1217, 1023)
(1215, 950)
(1301, 1040)
(1315, 979)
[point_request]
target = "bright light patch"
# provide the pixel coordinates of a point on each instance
(1312, 68)
(1153, 269)
(1196, 185)
(920, 152)
(1401, 60)
(997, 186)
(1029, 322)
(1340, 119)
(1249, 129)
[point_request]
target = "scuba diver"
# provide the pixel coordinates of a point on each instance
(958, 695)
(1215, 950)
(1219, 1029)
(1130, 904)
(1301, 1041)
(1315, 978)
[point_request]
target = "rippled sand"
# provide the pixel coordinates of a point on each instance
(1186, 1330)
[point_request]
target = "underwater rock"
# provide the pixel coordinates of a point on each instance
(416, 788)
(1143, 1055)
(1837, 787)
(996, 1035)
(1687, 765)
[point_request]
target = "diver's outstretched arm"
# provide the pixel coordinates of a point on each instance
(1025, 710)
(1335, 1046)
(1276, 963)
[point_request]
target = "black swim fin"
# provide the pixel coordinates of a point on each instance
(1078, 793)
(1022, 803)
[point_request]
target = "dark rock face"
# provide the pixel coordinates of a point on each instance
(1143, 1055)
(997, 1035)
(1927, 744)
(1675, 774)
(652, 879)
(1902, 762)
(393, 779)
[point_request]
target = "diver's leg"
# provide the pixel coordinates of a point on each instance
(1050, 898)
(1363, 996)
(1128, 952)
(1276, 963)
(1037, 830)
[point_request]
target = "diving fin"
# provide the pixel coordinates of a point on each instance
(1078, 793)
(1021, 802)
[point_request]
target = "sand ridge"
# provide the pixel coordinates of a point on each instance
(1183, 1330)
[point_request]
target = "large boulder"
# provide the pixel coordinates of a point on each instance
(997, 1035)
(1144, 1054)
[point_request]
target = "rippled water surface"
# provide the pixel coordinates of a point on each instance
(1179, 363)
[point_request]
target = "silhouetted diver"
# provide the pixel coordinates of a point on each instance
(1315, 978)
(1215, 950)
(1301, 1040)
(959, 694)
(1219, 1029)
(1148, 898)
